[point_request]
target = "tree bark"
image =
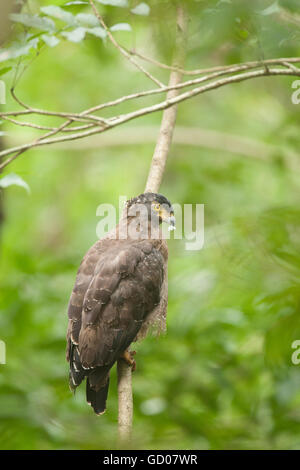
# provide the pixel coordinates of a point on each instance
(125, 401)
(153, 183)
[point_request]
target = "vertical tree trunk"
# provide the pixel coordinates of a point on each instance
(125, 401)
(164, 140)
(153, 183)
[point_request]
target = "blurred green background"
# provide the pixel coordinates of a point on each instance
(222, 376)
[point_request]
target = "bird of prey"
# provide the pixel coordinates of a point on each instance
(119, 293)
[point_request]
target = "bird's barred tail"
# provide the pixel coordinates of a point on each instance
(97, 381)
(97, 398)
(77, 373)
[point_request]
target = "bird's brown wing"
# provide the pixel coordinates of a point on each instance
(84, 276)
(124, 289)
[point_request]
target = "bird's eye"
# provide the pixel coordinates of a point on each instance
(156, 207)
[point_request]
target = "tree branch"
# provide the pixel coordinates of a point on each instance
(125, 401)
(154, 179)
(169, 116)
(100, 127)
(213, 73)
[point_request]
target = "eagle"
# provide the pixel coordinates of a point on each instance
(120, 293)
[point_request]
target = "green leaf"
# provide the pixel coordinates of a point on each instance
(114, 3)
(142, 9)
(5, 70)
(13, 179)
(33, 21)
(76, 35)
(121, 27)
(51, 41)
(98, 32)
(274, 8)
(59, 14)
(86, 19)
(18, 50)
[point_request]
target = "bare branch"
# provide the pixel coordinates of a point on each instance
(245, 65)
(218, 72)
(125, 400)
(46, 128)
(199, 90)
(291, 66)
(118, 120)
(80, 117)
(36, 142)
(27, 124)
(85, 115)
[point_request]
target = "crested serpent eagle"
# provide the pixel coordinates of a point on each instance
(120, 291)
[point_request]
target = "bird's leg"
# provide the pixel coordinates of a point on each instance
(128, 358)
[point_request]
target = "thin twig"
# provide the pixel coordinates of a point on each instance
(36, 142)
(80, 117)
(28, 124)
(250, 64)
(46, 128)
(121, 49)
(291, 66)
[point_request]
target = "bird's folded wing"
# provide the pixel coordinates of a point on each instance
(125, 288)
(84, 276)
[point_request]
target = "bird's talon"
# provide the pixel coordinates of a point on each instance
(128, 358)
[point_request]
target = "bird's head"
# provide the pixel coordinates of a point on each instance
(156, 207)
